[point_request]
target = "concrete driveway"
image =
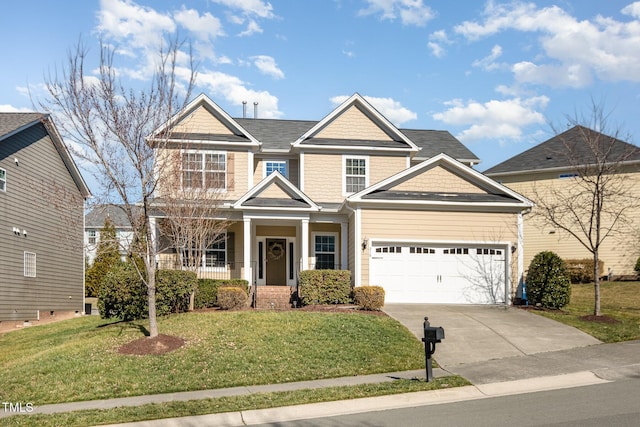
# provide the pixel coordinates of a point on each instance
(476, 333)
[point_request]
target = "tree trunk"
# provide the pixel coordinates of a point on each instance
(596, 284)
(151, 294)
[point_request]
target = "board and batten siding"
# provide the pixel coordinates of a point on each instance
(437, 226)
(619, 252)
(33, 203)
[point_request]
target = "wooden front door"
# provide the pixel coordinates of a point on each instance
(276, 262)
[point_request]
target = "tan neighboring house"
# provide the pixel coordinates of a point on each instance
(546, 166)
(399, 208)
(41, 221)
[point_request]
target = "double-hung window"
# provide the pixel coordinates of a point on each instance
(324, 246)
(29, 264)
(204, 170)
(355, 174)
(3, 180)
(271, 166)
(215, 255)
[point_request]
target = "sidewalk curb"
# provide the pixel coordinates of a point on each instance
(380, 403)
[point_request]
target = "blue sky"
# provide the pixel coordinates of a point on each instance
(493, 73)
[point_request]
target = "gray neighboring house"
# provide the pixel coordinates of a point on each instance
(94, 221)
(42, 198)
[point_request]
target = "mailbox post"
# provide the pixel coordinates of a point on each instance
(432, 335)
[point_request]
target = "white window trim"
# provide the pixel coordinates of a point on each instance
(3, 189)
(264, 166)
(344, 172)
(336, 246)
(205, 152)
(28, 259)
(203, 263)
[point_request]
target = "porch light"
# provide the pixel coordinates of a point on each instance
(364, 244)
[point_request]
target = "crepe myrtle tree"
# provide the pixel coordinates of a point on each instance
(106, 123)
(593, 203)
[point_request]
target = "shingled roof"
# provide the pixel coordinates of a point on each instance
(553, 153)
(279, 134)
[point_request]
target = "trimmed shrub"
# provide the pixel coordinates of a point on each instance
(325, 286)
(548, 282)
(369, 297)
(231, 297)
(173, 289)
(107, 258)
(637, 266)
(581, 270)
(207, 290)
(123, 295)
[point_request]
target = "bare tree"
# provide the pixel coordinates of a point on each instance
(108, 123)
(593, 202)
(189, 205)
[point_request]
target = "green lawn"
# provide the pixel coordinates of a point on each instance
(78, 359)
(619, 300)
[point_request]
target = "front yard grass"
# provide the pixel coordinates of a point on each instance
(229, 404)
(618, 300)
(78, 359)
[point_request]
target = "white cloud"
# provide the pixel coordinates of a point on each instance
(436, 40)
(267, 65)
(575, 51)
(206, 26)
(488, 62)
(632, 10)
(235, 91)
(250, 7)
(252, 28)
(493, 119)
(410, 12)
(141, 27)
(6, 108)
(388, 107)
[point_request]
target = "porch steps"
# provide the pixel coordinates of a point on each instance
(273, 297)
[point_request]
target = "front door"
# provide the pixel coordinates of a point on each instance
(276, 262)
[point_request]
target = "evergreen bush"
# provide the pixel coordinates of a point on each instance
(368, 297)
(230, 298)
(107, 257)
(325, 287)
(548, 283)
(207, 290)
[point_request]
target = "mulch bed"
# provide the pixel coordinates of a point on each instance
(163, 344)
(600, 319)
(157, 345)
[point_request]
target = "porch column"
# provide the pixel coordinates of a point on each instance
(344, 245)
(248, 276)
(154, 238)
(304, 251)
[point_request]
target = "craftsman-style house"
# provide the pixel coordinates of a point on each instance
(399, 208)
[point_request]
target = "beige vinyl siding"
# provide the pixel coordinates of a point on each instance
(382, 167)
(169, 162)
(439, 179)
(324, 173)
(276, 230)
(273, 192)
(618, 252)
(437, 227)
(35, 202)
(293, 165)
(353, 124)
(323, 177)
(202, 121)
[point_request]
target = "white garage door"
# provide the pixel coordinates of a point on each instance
(417, 273)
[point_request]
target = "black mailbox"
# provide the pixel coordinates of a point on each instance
(434, 333)
(432, 336)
